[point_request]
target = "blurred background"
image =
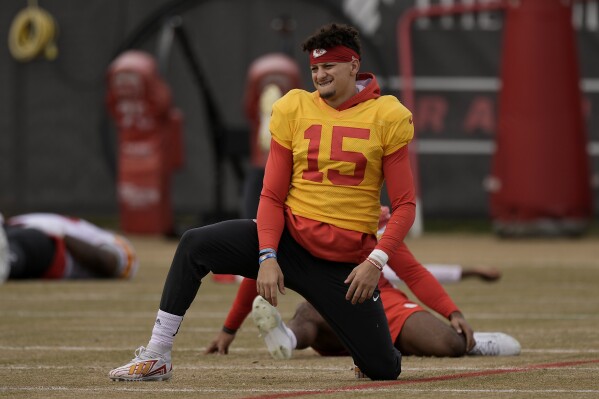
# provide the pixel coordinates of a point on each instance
(61, 143)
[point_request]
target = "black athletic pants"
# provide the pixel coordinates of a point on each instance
(231, 247)
(31, 252)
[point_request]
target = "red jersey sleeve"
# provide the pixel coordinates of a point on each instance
(242, 305)
(56, 270)
(277, 177)
(421, 282)
(400, 187)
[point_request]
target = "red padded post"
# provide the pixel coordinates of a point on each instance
(540, 181)
(149, 142)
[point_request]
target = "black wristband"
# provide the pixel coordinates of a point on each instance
(229, 331)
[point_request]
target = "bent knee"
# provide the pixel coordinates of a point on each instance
(190, 238)
(452, 345)
(383, 371)
(191, 252)
(383, 375)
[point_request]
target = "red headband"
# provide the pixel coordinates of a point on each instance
(333, 54)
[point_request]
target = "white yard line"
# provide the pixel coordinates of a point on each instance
(237, 349)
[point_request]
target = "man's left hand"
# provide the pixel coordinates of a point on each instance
(362, 282)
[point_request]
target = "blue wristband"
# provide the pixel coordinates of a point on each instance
(266, 251)
(266, 256)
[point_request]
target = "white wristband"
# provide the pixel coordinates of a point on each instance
(379, 256)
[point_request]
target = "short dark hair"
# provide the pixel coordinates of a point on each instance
(332, 35)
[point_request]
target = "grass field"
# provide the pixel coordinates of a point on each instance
(60, 339)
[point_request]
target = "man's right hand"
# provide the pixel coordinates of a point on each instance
(221, 344)
(270, 280)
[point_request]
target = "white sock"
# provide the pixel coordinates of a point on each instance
(165, 329)
(291, 336)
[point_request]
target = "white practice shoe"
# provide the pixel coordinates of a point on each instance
(272, 330)
(495, 344)
(145, 366)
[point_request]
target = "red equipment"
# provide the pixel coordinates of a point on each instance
(149, 142)
(540, 174)
(540, 179)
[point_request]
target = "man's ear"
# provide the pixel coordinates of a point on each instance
(355, 67)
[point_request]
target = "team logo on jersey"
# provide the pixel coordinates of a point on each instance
(318, 52)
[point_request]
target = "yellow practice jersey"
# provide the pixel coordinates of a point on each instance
(337, 155)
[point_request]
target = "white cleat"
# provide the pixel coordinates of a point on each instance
(269, 323)
(495, 344)
(145, 366)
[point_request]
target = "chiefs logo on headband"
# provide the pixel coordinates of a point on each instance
(318, 52)
(333, 54)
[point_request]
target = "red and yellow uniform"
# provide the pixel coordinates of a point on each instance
(326, 170)
(319, 238)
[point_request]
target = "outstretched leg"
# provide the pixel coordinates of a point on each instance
(223, 248)
(489, 274)
(425, 335)
(311, 330)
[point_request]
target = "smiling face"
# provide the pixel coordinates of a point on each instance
(335, 81)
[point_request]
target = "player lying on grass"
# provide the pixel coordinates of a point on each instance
(414, 330)
(52, 246)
